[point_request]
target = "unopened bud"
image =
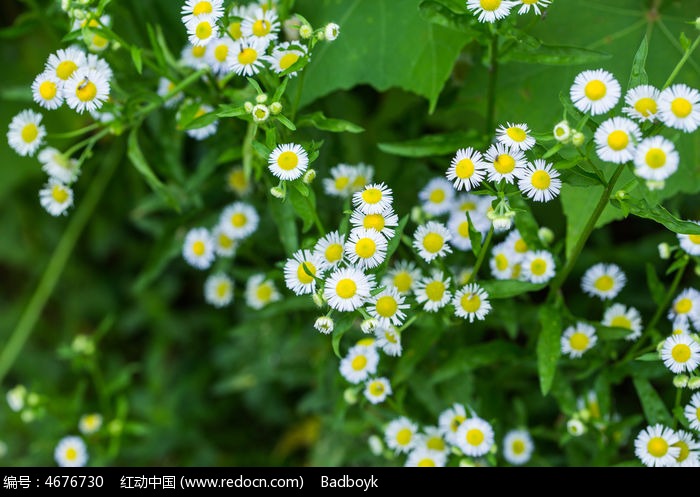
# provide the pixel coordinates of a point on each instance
(324, 324)
(694, 382)
(680, 381)
(277, 192)
(545, 235)
(664, 250)
(578, 138)
(309, 176)
(260, 113)
(318, 299)
(376, 446)
(276, 108)
(331, 31)
(248, 107)
(368, 325)
(305, 31)
(262, 98)
(575, 427)
(562, 132)
(350, 396)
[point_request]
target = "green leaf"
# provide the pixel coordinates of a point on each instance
(659, 214)
(554, 55)
(440, 14)
(610, 332)
(656, 288)
(286, 224)
(393, 244)
(286, 122)
(136, 53)
(432, 145)
(304, 205)
(638, 74)
(577, 176)
(319, 121)
(139, 161)
(201, 121)
(654, 408)
(548, 346)
(231, 111)
(475, 237)
(342, 325)
(422, 340)
(649, 357)
(470, 358)
(505, 289)
(262, 150)
(379, 47)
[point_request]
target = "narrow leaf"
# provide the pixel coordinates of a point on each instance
(432, 145)
(654, 408)
(139, 161)
(548, 346)
(638, 75)
(319, 121)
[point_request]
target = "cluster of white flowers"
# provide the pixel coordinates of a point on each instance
(514, 259)
(660, 446)
(494, 10)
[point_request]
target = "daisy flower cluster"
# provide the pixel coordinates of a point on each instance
(680, 350)
(514, 259)
(631, 138)
(659, 446)
(495, 10)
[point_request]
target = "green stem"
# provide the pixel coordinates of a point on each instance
(681, 63)
(90, 141)
(493, 75)
(74, 133)
(676, 405)
(482, 255)
(58, 261)
(587, 230)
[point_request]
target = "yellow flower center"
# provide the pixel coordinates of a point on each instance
(475, 437)
(681, 107)
(261, 27)
(490, 4)
(202, 8)
(681, 353)
(224, 241)
(520, 246)
(595, 90)
(86, 91)
(237, 180)
(359, 182)
(334, 252)
(683, 306)
(518, 447)
(359, 363)
(579, 341)
(221, 52)
(247, 56)
(303, 276)
(372, 195)
(30, 133)
(288, 160)
(456, 421)
(376, 388)
(529, 2)
(71, 454)
(646, 106)
(203, 30)
(541, 180)
(694, 239)
(239, 220)
(538, 267)
(501, 262)
(437, 196)
(684, 452)
(403, 281)
(470, 302)
(99, 41)
(463, 229)
(433, 242)
(618, 140)
(387, 306)
(464, 169)
(604, 283)
(198, 51)
(390, 336)
(426, 463)
(655, 158)
(515, 273)
(346, 288)
(657, 446)
(222, 289)
(47, 90)
(467, 206)
(264, 292)
(621, 322)
(234, 29)
(59, 194)
(65, 69)
(288, 60)
(516, 134)
(341, 182)
(198, 248)
(404, 435)
(375, 221)
(504, 164)
(436, 443)
(365, 247)
(435, 290)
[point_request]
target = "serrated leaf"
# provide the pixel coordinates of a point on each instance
(654, 408)
(432, 145)
(548, 346)
(659, 214)
(638, 74)
(319, 121)
(554, 55)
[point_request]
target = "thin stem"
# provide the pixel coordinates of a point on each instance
(681, 63)
(482, 255)
(493, 75)
(587, 230)
(676, 405)
(58, 261)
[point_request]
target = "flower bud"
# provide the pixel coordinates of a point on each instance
(305, 31)
(309, 176)
(277, 192)
(680, 381)
(664, 250)
(324, 324)
(562, 132)
(578, 138)
(331, 31)
(276, 108)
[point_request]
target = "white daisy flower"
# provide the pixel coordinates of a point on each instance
(679, 107)
(686, 308)
(340, 184)
(377, 390)
(517, 244)
(324, 324)
(619, 316)
(689, 243)
(502, 261)
(595, 92)
(329, 251)
(196, 9)
(642, 103)
(202, 29)
(288, 161)
(402, 276)
(347, 289)
(165, 86)
(359, 363)
(198, 248)
(518, 447)
(239, 220)
(388, 340)
(539, 181)
(431, 240)
(689, 455)
(467, 169)
(538, 266)
(248, 56)
(490, 10)
(194, 57)
(433, 291)
(47, 90)
(433, 439)
(692, 411)
(16, 397)
(58, 166)
(203, 132)
(474, 437)
(654, 446)
(450, 420)
(401, 435)
(90, 423)
(437, 196)
(224, 245)
(218, 290)
(504, 162)
(236, 15)
(515, 136)
(373, 199)
(604, 281)
(458, 225)
(56, 198)
(616, 140)
(363, 175)
(95, 41)
(476, 207)
(382, 222)
(71, 452)
(331, 31)
(680, 353)
(562, 131)
(65, 62)
(26, 133)
(655, 159)
(260, 291)
(238, 182)
(471, 301)
(284, 56)
(300, 272)
(220, 55)
(365, 248)
(534, 4)
(425, 458)
(578, 339)
(86, 90)
(262, 25)
(387, 307)
(92, 61)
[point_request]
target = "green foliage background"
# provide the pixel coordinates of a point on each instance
(198, 386)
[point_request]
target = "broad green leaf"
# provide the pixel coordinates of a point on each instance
(653, 406)
(548, 346)
(304, 205)
(577, 176)
(649, 357)
(432, 145)
(378, 47)
(319, 121)
(656, 288)
(638, 74)
(475, 237)
(201, 121)
(286, 224)
(440, 14)
(139, 162)
(659, 214)
(505, 289)
(554, 55)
